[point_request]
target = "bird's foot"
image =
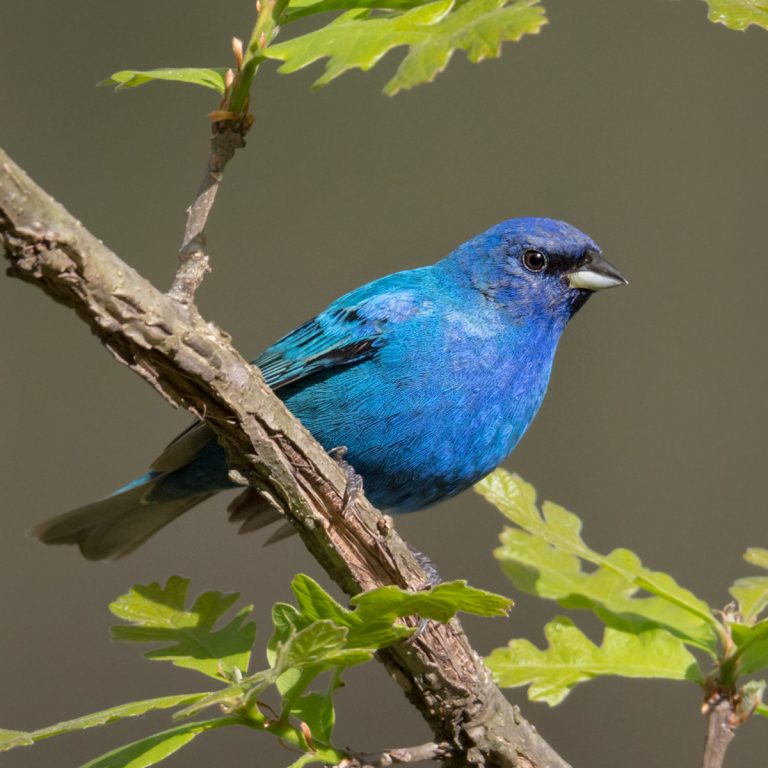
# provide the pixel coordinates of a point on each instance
(354, 488)
(429, 568)
(433, 579)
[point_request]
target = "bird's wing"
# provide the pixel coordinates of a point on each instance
(352, 329)
(183, 448)
(342, 335)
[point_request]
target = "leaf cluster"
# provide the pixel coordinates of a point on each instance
(361, 32)
(652, 625)
(312, 643)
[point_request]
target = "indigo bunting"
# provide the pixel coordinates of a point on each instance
(428, 377)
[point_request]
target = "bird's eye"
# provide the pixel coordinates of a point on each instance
(534, 261)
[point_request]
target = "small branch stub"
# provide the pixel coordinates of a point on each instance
(228, 136)
(429, 751)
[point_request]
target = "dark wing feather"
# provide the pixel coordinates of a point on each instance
(312, 348)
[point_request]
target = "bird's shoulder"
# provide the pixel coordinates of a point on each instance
(351, 329)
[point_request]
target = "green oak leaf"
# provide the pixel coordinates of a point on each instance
(11, 739)
(751, 593)
(359, 38)
(573, 658)
(757, 556)
(153, 749)
(157, 614)
(364, 631)
(440, 603)
(316, 710)
(545, 556)
(298, 9)
(739, 14)
(321, 645)
(372, 622)
(319, 634)
(751, 646)
(213, 78)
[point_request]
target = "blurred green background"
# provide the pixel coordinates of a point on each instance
(636, 120)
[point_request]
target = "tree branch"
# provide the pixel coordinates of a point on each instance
(192, 364)
(721, 728)
(430, 751)
(226, 138)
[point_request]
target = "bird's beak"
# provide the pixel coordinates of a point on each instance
(595, 273)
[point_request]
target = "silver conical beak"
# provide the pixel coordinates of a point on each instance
(595, 273)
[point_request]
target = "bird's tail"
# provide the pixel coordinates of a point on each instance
(115, 526)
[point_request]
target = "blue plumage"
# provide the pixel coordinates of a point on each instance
(429, 377)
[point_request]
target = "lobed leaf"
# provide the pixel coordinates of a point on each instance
(544, 556)
(440, 603)
(751, 646)
(739, 14)
(158, 615)
(213, 78)
(757, 556)
(11, 739)
(364, 630)
(432, 31)
(372, 622)
(573, 658)
(319, 646)
(153, 749)
(316, 711)
(299, 9)
(751, 593)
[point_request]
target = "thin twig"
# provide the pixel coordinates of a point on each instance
(227, 137)
(722, 722)
(429, 751)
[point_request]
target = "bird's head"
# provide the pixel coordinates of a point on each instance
(535, 267)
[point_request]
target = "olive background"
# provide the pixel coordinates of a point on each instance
(639, 122)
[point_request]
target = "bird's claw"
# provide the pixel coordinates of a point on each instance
(429, 568)
(418, 632)
(354, 487)
(433, 579)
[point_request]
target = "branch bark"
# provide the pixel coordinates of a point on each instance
(192, 364)
(401, 756)
(226, 138)
(722, 722)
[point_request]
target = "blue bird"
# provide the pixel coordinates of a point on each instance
(428, 377)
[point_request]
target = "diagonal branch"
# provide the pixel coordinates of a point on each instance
(192, 364)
